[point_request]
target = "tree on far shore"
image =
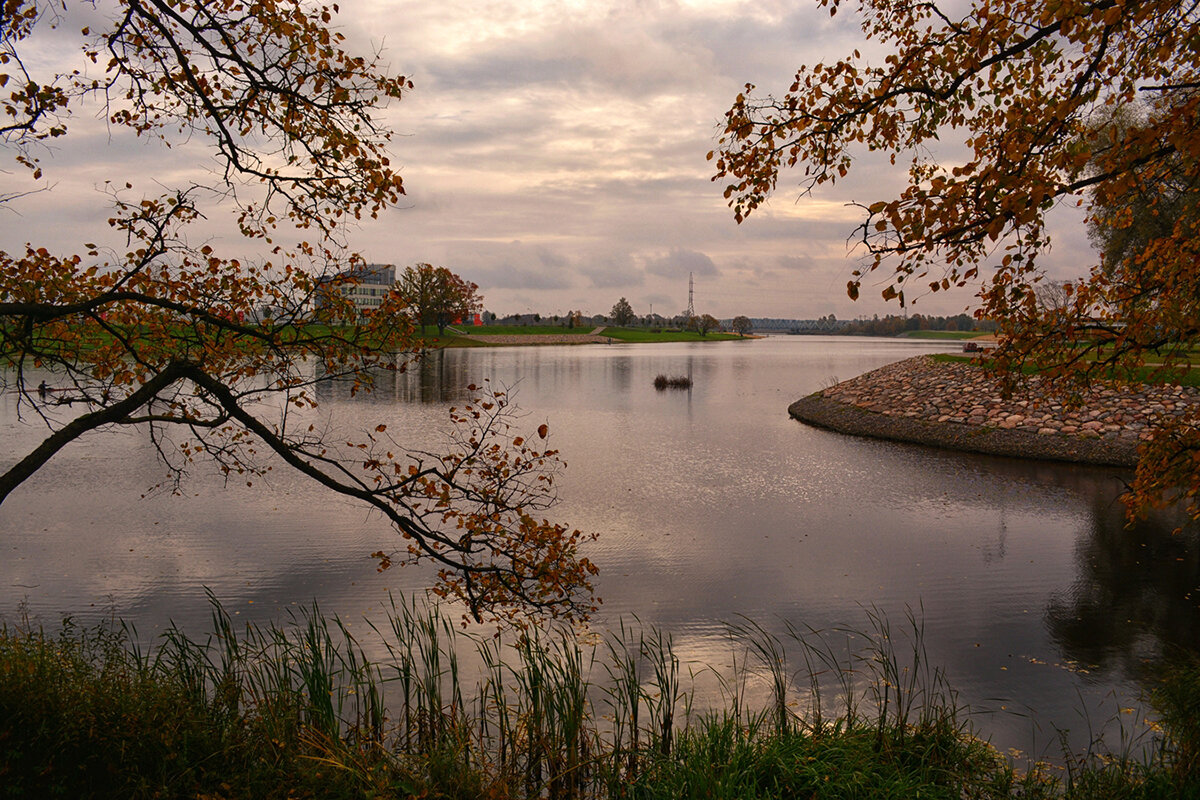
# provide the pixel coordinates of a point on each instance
(622, 313)
(706, 323)
(438, 296)
(741, 325)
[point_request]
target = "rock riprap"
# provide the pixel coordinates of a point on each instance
(959, 405)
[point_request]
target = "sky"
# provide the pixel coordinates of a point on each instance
(554, 154)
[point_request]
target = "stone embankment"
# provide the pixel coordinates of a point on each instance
(959, 406)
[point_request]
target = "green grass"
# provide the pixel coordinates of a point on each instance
(298, 711)
(1149, 375)
(643, 335)
(524, 330)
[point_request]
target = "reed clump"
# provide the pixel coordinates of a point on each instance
(662, 382)
(301, 710)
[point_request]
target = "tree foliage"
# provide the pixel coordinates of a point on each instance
(437, 296)
(622, 313)
(1122, 226)
(706, 323)
(741, 325)
(996, 113)
(166, 336)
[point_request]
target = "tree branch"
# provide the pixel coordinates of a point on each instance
(19, 472)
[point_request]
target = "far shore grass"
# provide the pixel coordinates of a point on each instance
(298, 710)
(524, 330)
(643, 335)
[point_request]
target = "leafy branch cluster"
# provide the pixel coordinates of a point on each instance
(1031, 104)
(218, 358)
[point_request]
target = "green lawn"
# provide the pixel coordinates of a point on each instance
(523, 330)
(640, 335)
(1149, 374)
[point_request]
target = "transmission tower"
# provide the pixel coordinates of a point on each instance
(691, 309)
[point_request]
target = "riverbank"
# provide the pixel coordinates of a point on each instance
(537, 338)
(957, 405)
(300, 711)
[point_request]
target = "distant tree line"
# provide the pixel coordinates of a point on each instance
(624, 315)
(890, 325)
(893, 325)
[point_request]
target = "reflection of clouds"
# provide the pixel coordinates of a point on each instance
(709, 507)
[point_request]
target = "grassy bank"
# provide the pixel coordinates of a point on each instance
(1183, 374)
(525, 330)
(643, 335)
(300, 711)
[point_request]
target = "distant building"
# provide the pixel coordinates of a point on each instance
(365, 286)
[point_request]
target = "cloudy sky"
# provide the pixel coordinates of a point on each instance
(554, 153)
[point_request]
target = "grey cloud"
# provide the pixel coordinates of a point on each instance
(679, 262)
(646, 52)
(750, 49)
(502, 67)
(606, 272)
(582, 57)
(511, 265)
(661, 300)
(478, 128)
(796, 263)
(517, 276)
(551, 258)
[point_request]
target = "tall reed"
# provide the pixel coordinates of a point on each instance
(299, 707)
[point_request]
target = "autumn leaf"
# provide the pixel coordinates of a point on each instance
(211, 355)
(1041, 104)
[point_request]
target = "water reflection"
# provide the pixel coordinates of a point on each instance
(711, 504)
(1135, 600)
(428, 377)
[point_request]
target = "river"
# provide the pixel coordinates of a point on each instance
(712, 506)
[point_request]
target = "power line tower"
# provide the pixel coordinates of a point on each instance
(691, 309)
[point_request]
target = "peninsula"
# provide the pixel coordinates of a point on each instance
(958, 405)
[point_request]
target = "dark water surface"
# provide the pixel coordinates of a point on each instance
(712, 504)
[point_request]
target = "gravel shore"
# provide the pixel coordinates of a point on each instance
(958, 406)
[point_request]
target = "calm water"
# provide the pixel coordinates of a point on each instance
(711, 504)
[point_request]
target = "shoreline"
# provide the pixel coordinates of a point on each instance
(958, 406)
(535, 339)
(853, 420)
